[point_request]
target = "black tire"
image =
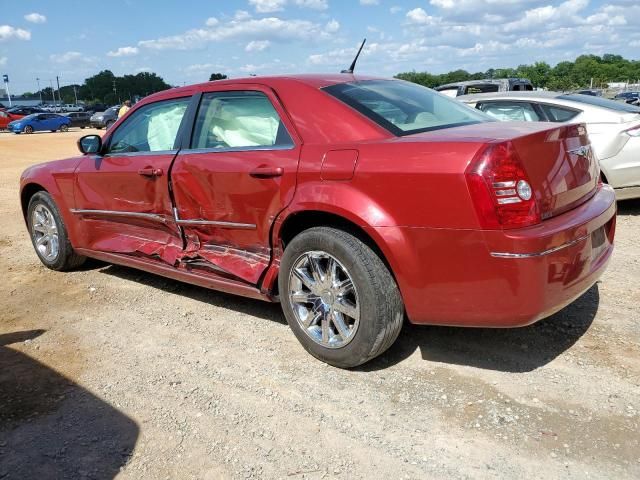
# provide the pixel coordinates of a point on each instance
(81, 128)
(64, 128)
(67, 258)
(28, 129)
(109, 124)
(381, 306)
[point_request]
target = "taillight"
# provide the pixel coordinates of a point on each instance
(500, 189)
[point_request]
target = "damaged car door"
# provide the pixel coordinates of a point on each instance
(123, 195)
(238, 173)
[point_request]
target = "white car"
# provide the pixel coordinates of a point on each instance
(613, 127)
(70, 107)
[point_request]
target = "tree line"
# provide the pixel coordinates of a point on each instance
(564, 76)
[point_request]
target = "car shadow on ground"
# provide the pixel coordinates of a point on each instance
(629, 207)
(250, 306)
(50, 427)
(508, 350)
(514, 350)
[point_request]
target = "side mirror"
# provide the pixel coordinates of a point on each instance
(90, 144)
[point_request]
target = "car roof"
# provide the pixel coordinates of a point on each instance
(512, 95)
(314, 80)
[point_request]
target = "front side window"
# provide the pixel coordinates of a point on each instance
(404, 108)
(242, 119)
(510, 111)
(152, 128)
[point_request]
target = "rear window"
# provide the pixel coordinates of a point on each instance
(484, 88)
(601, 102)
(558, 114)
(404, 108)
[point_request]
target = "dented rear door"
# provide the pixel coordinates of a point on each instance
(238, 173)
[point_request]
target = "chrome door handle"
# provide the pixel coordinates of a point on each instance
(266, 171)
(150, 172)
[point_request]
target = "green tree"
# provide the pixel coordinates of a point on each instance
(217, 76)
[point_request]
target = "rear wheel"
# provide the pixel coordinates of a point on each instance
(339, 298)
(28, 129)
(49, 234)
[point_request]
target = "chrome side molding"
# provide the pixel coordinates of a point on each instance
(118, 213)
(212, 223)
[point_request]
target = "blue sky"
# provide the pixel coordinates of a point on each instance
(186, 41)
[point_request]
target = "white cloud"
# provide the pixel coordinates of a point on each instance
(35, 18)
(395, 9)
(212, 22)
(332, 26)
(369, 2)
(123, 52)
(418, 16)
(143, 69)
(72, 57)
(313, 4)
(270, 28)
(7, 32)
(268, 6)
(239, 15)
(257, 45)
(3, 61)
(65, 57)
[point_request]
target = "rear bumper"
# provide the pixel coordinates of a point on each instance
(502, 278)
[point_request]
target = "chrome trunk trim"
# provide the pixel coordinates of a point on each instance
(538, 254)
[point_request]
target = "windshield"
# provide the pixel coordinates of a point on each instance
(405, 108)
(601, 102)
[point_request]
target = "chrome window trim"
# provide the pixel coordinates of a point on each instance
(141, 154)
(119, 213)
(539, 254)
(192, 151)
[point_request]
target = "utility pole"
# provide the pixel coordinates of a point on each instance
(59, 97)
(75, 94)
(39, 90)
(6, 86)
(115, 91)
(53, 93)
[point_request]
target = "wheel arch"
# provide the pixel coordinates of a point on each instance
(28, 191)
(295, 222)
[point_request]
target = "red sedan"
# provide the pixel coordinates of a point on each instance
(7, 118)
(353, 201)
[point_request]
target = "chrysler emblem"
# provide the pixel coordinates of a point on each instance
(582, 151)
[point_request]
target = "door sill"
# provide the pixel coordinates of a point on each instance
(206, 280)
(626, 193)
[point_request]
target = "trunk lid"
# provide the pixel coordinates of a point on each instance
(561, 165)
(558, 159)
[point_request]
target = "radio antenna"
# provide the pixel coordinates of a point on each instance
(353, 64)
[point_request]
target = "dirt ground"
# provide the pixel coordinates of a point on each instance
(110, 372)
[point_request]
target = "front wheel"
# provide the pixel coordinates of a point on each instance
(49, 234)
(339, 298)
(64, 128)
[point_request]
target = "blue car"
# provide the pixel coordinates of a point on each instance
(38, 122)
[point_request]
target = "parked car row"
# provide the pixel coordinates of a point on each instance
(613, 127)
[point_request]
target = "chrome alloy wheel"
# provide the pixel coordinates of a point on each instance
(45, 233)
(324, 299)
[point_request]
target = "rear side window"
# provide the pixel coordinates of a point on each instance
(510, 111)
(404, 108)
(242, 119)
(558, 114)
(152, 128)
